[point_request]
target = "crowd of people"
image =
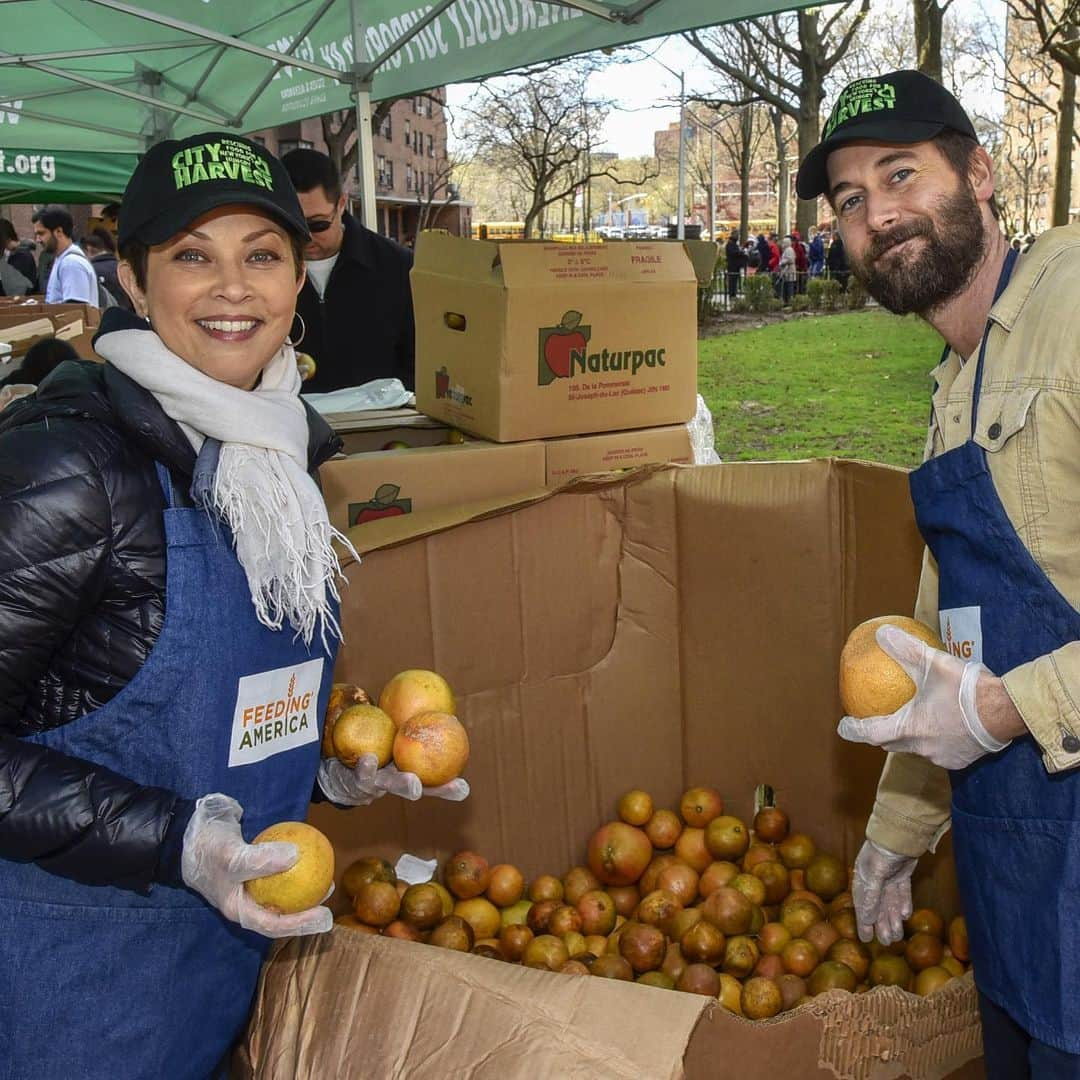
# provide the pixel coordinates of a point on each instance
(790, 260)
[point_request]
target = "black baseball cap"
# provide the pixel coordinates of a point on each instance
(900, 107)
(179, 180)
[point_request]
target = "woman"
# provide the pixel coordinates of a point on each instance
(788, 269)
(166, 580)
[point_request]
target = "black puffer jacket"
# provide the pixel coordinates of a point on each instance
(82, 584)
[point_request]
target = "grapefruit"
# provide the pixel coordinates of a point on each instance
(433, 745)
(307, 881)
(871, 682)
(416, 691)
(363, 729)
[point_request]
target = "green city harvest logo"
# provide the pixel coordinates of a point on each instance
(226, 159)
(861, 97)
(383, 504)
(563, 353)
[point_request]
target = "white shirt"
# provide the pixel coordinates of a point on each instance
(72, 279)
(318, 272)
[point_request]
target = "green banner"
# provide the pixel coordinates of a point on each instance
(62, 176)
(85, 76)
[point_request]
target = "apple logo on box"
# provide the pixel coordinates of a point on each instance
(557, 344)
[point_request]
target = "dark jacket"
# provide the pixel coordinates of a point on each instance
(836, 260)
(22, 258)
(362, 328)
(82, 591)
(736, 259)
(105, 267)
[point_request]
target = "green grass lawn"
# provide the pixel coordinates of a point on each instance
(852, 385)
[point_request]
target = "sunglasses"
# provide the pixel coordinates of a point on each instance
(321, 225)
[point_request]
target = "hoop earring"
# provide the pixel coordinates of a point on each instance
(303, 330)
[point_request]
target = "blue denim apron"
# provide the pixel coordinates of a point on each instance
(98, 981)
(1016, 826)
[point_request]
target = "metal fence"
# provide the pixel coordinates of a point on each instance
(721, 295)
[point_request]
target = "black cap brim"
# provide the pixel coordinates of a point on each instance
(812, 179)
(173, 219)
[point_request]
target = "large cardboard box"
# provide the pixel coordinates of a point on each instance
(667, 629)
(535, 340)
(579, 455)
(361, 489)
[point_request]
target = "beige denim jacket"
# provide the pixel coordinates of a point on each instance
(1029, 424)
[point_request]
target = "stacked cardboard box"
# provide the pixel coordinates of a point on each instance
(656, 631)
(25, 321)
(520, 341)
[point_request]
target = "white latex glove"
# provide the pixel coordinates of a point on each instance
(881, 890)
(216, 861)
(366, 782)
(940, 722)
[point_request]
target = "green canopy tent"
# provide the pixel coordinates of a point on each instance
(112, 77)
(62, 176)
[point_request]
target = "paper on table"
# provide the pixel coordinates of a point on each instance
(377, 394)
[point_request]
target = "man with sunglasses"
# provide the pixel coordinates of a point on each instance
(355, 309)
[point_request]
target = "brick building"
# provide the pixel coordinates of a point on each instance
(413, 190)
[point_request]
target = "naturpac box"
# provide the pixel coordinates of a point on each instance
(522, 340)
(659, 630)
(363, 489)
(615, 451)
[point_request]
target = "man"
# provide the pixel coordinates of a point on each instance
(72, 278)
(913, 194)
(16, 253)
(355, 312)
(100, 246)
(736, 260)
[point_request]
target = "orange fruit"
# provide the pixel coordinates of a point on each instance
(636, 807)
(433, 745)
(416, 691)
(871, 682)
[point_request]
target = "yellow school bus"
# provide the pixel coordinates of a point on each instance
(499, 230)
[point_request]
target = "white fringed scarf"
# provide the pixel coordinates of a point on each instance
(260, 486)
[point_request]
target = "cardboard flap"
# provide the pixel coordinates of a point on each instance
(540, 264)
(376, 535)
(457, 257)
(449, 1008)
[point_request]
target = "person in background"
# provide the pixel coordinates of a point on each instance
(12, 283)
(355, 311)
(802, 261)
(816, 253)
(990, 741)
(40, 359)
(108, 216)
(764, 254)
(736, 260)
(101, 248)
(71, 277)
(836, 261)
(788, 272)
(19, 254)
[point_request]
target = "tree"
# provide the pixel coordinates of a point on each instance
(791, 56)
(436, 193)
(539, 128)
(928, 16)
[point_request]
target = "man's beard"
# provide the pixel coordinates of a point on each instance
(920, 282)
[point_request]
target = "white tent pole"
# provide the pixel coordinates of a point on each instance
(221, 39)
(111, 88)
(79, 54)
(365, 152)
(31, 114)
(240, 113)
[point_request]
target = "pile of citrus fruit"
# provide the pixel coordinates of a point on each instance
(695, 900)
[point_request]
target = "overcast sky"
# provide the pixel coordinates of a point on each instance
(646, 94)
